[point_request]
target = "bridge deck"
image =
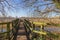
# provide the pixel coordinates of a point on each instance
(21, 32)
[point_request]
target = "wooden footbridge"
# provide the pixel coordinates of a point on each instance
(25, 30)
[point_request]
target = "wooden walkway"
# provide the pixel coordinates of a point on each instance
(21, 32)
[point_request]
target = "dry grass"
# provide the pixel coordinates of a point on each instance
(55, 21)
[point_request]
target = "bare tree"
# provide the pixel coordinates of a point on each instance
(5, 4)
(35, 4)
(31, 4)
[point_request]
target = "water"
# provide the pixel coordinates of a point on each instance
(4, 30)
(51, 29)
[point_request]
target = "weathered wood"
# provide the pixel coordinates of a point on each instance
(8, 29)
(10, 32)
(21, 32)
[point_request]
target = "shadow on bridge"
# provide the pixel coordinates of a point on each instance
(11, 30)
(15, 30)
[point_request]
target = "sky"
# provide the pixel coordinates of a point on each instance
(20, 11)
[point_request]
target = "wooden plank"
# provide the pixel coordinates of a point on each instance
(21, 32)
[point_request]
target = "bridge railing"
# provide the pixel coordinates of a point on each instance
(30, 29)
(8, 30)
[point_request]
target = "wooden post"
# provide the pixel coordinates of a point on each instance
(15, 26)
(41, 31)
(33, 26)
(8, 30)
(2, 28)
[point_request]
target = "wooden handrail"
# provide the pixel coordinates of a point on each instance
(9, 36)
(29, 26)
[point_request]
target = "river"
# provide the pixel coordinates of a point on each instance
(51, 29)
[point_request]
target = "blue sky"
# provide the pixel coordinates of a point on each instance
(19, 9)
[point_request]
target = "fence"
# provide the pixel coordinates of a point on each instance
(38, 34)
(9, 30)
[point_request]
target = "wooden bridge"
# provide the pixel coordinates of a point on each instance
(14, 30)
(22, 30)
